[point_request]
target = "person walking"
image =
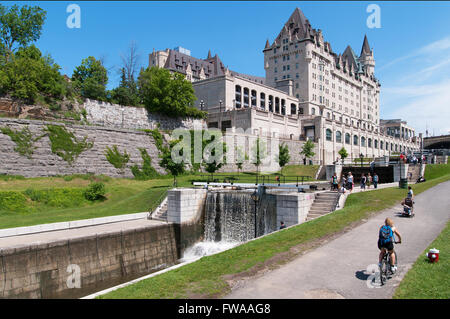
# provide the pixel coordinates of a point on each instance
(369, 180)
(350, 182)
(334, 182)
(375, 181)
(363, 182)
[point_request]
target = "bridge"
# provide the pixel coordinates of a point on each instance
(437, 142)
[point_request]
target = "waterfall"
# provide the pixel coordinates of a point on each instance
(230, 220)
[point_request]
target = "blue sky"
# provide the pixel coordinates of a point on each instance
(412, 47)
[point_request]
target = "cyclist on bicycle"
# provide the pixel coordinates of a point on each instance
(386, 239)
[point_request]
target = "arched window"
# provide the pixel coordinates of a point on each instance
(347, 138)
(270, 103)
(376, 143)
(355, 139)
(262, 99)
(369, 142)
(381, 145)
(313, 111)
(246, 98)
(238, 96)
(363, 141)
(338, 137)
(253, 98)
(283, 107)
(277, 105)
(293, 109)
(329, 135)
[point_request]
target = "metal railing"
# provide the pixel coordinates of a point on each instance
(158, 202)
(256, 179)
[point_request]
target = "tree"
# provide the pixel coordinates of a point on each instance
(90, 79)
(283, 154)
(343, 153)
(19, 27)
(175, 168)
(212, 166)
(259, 153)
(241, 157)
(307, 149)
(29, 75)
(166, 93)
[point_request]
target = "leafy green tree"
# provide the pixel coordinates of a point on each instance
(29, 74)
(19, 27)
(212, 166)
(283, 155)
(259, 152)
(175, 168)
(241, 157)
(307, 149)
(90, 79)
(167, 93)
(343, 153)
(126, 93)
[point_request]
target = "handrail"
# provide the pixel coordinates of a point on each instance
(159, 201)
(260, 179)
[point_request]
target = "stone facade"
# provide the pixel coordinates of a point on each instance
(292, 209)
(91, 161)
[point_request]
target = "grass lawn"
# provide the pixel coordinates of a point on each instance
(436, 170)
(300, 170)
(206, 277)
(427, 280)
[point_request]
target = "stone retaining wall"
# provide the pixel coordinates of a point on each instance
(45, 163)
(41, 270)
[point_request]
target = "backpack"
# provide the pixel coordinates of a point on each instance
(386, 234)
(375, 178)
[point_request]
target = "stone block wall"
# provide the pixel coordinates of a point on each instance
(41, 270)
(45, 163)
(114, 115)
(292, 209)
(185, 204)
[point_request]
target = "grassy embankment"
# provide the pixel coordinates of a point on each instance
(427, 280)
(207, 276)
(32, 201)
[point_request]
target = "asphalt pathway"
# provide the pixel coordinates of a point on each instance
(342, 268)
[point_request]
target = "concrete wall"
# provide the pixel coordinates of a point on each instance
(40, 270)
(45, 163)
(292, 209)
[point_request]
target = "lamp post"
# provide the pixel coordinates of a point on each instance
(201, 105)
(361, 156)
(220, 114)
(255, 198)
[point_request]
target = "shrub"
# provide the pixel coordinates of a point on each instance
(95, 191)
(57, 197)
(117, 159)
(147, 171)
(11, 201)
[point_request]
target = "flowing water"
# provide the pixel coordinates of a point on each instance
(230, 220)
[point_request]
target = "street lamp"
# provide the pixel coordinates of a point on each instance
(361, 156)
(220, 114)
(255, 198)
(201, 105)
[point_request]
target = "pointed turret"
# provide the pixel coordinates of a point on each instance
(209, 55)
(365, 47)
(267, 44)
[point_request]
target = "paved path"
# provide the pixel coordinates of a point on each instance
(75, 233)
(338, 269)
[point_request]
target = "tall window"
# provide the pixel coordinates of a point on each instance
(293, 109)
(270, 103)
(313, 111)
(262, 99)
(329, 135)
(238, 96)
(369, 142)
(347, 138)
(277, 105)
(338, 137)
(283, 107)
(363, 141)
(246, 98)
(376, 144)
(253, 98)
(381, 145)
(355, 140)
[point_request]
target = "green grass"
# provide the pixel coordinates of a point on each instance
(205, 277)
(427, 280)
(300, 170)
(435, 170)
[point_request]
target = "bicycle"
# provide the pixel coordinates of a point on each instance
(385, 268)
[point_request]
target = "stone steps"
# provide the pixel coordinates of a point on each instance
(324, 203)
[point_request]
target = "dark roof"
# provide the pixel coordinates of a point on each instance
(365, 47)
